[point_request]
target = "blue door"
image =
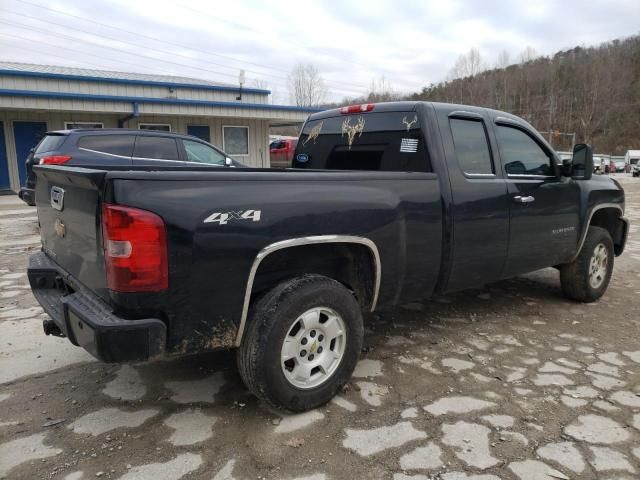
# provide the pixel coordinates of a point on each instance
(200, 131)
(4, 163)
(27, 135)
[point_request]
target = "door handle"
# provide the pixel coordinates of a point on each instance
(522, 199)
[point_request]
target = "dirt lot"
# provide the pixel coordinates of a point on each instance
(509, 382)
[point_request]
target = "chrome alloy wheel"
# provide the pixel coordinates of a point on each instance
(313, 347)
(598, 266)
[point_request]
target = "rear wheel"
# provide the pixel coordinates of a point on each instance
(587, 277)
(302, 343)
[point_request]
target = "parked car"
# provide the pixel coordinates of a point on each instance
(636, 170)
(598, 162)
(389, 203)
(118, 147)
(281, 151)
(610, 167)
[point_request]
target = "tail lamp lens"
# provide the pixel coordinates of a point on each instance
(135, 249)
(55, 160)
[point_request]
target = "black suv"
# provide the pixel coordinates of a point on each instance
(110, 147)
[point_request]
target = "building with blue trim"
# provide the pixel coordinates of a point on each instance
(38, 98)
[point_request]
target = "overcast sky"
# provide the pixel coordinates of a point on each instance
(411, 43)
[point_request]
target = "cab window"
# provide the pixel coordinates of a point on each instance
(521, 154)
(200, 153)
(472, 149)
(386, 141)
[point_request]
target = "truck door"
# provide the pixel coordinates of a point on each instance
(543, 206)
(479, 209)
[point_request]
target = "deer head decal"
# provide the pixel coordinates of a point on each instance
(313, 134)
(409, 124)
(352, 130)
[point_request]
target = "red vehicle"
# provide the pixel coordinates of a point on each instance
(281, 151)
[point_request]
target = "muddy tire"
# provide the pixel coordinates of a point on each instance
(587, 277)
(301, 343)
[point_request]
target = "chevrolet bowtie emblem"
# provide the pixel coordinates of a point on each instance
(59, 228)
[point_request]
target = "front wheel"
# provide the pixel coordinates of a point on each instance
(587, 277)
(302, 343)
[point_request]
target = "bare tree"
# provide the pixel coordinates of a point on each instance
(381, 91)
(503, 60)
(467, 65)
(306, 87)
(528, 54)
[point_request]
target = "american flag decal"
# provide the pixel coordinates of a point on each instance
(409, 145)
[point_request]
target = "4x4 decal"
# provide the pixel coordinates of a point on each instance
(222, 218)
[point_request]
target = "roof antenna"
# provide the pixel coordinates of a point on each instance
(241, 81)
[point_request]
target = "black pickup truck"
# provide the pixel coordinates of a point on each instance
(387, 203)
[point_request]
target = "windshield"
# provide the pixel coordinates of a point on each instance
(389, 141)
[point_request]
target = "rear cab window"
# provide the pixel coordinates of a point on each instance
(120, 145)
(384, 141)
(472, 147)
(50, 142)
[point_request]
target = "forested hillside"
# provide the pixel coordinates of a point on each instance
(594, 92)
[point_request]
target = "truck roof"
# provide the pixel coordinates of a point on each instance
(409, 106)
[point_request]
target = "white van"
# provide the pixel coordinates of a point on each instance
(632, 159)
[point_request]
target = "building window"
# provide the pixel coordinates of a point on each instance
(72, 125)
(162, 127)
(235, 140)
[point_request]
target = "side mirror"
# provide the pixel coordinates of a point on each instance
(582, 162)
(228, 162)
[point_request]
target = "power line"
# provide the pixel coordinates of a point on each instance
(246, 27)
(126, 52)
(114, 39)
(22, 47)
(71, 49)
(75, 39)
(156, 39)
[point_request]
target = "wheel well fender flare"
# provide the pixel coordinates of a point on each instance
(587, 224)
(301, 241)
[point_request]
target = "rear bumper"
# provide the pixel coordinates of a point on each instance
(87, 321)
(27, 195)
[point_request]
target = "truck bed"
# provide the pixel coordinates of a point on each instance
(213, 243)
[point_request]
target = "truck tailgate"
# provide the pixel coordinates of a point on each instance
(68, 204)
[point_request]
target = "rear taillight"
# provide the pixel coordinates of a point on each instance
(55, 159)
(135, 249)
(365, 107)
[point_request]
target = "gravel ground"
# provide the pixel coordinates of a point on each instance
(509, 382)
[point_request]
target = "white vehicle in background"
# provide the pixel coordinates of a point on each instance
(599, 163)
(632, 158)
